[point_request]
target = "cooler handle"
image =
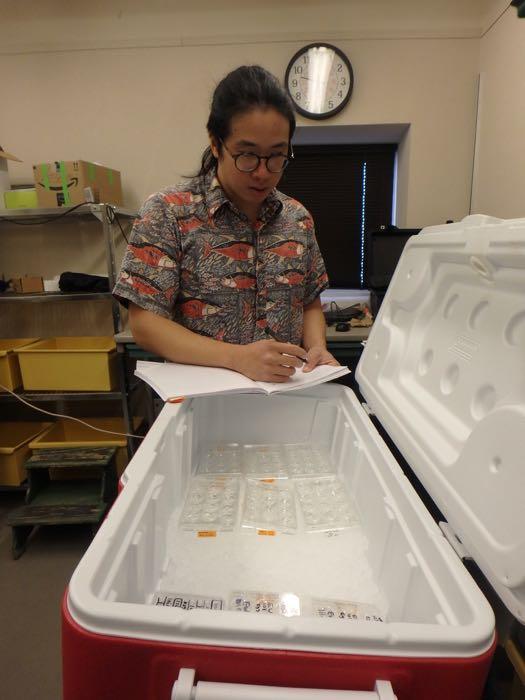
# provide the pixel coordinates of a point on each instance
(184, 689)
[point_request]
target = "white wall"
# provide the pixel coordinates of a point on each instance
(128, 84)
(500, 152)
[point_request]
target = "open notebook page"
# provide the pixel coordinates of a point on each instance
(302, 380)
(172, 380)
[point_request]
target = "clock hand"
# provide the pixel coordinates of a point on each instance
(321, 82)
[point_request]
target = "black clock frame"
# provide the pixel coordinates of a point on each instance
(346, 61)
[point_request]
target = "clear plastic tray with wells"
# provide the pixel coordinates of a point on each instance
(269, 506)
(224, 458)
(307, 460)
(325, 504)
(212, 503)
(267, 460)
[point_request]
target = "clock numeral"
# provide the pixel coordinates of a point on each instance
(339, 67)
(294, 83)
(306, 58)
(340, 93)
(298, 70)
(343, 81)
(298, 96)
(330, 104)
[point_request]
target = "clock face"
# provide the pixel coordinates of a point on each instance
(319, 79)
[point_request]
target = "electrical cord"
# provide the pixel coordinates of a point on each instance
(61, 415)
(112, 217)
(337, 314)
(48, 220)
(110, 213)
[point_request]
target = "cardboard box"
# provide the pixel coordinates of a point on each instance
(32, 284)
(4, 174)
(29, 284)
(21, 199)
(66, 183)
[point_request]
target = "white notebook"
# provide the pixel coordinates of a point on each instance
(173, 381)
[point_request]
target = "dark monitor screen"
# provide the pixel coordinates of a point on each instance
(382, 251)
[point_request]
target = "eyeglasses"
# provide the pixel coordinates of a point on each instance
(249, 162)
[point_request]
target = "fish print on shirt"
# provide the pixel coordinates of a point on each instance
(152, 255)
(287, 249)
(239, 280)
(291, 277)
(238, 250)
(142, 284)
(197, 308)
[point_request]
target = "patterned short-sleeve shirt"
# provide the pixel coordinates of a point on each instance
(195, 258)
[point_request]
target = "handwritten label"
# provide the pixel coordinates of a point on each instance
(285, 604)
(332, 533)
(187, 602)
(346, 610)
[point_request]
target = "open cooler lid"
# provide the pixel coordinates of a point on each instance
(444, 372)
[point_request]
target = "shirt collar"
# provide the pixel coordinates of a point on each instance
(215, 195)
(216, 198)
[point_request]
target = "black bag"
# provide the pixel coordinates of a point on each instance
(80, 282)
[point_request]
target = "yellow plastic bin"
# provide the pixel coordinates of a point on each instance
(14, 449)
(10, 376)
(68, 433)
(69, 364)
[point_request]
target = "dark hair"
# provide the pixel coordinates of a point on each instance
(242, 90)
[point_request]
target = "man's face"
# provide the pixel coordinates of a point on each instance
(261, 131)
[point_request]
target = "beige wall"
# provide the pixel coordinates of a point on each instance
(142, 107)
(57, 24)
(500, 152)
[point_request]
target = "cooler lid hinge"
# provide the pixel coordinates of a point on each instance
(367, 408)
(454, 541)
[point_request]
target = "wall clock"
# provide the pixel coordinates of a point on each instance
(319, 79)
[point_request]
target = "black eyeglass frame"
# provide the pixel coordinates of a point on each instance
(287, 160)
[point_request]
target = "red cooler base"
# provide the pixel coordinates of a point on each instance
(102, 667)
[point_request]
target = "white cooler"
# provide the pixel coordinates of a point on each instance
(380, 608)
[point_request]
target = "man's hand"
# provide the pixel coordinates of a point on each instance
(268, 360)
(319, 355)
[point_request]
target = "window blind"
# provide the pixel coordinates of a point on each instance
(348, 190)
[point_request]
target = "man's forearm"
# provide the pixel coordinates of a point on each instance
(314, 326)
(173, 342)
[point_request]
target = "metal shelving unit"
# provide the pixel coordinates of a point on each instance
(107, 214)
(54, 296)
(46, 396)
(109, 217)
(54, 212)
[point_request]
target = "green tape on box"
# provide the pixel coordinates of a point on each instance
(45, 176)
(63, 180)
(110, 177)
(91, 171)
